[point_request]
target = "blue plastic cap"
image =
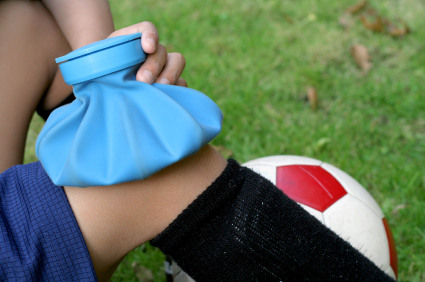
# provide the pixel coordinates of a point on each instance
(101, 58)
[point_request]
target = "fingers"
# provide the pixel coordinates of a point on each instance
(153, 66)
(150, 37)
(181, 82)
(172, 70)
(162, 68)
(158, 67)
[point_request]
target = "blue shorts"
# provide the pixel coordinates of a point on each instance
(39, 236)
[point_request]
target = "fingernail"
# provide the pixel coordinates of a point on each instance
(152, 43)
(163, 81)
(147, 76)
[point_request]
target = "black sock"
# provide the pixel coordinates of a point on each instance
(242, 228)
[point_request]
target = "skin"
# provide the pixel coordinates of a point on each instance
(29, 74)
(113, 219)
(116, 219)
(30, 40)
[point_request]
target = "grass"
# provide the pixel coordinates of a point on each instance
(256, 59)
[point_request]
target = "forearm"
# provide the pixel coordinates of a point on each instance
(82, 21)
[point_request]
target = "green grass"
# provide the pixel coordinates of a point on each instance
(256, 58)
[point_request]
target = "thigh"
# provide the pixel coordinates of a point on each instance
(39, 237)
(30, 41)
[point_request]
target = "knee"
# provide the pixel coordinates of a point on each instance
(24, 17)
(32, 35)
(33, 24)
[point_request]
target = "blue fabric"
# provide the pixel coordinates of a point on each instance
(119, 130)
(39, 236)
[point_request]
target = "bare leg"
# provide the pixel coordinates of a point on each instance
(30, 41)
(116, 219)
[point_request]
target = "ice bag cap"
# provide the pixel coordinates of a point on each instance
(101, 58)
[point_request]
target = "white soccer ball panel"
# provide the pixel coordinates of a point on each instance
(353, 187)
(313, 212)
(284, 160)
(357, 223)
(390, 272)
(267, 171)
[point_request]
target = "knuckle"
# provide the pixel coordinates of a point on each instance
(182, 59)
(147, 24)
(162, 49)
(178, 57)
(156, 67)
(182, 82)
(149, 29)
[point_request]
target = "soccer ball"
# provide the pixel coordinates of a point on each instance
(336, 200)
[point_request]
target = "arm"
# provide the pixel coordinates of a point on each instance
(82, 21)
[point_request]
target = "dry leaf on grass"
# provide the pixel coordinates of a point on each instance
(377, 25)
(373, 21)
(397, 30)
(312, 97)
(226, 153)
(361, 56)
(356, 8)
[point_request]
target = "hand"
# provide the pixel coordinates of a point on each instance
(159, 66)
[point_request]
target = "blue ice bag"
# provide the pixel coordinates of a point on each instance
(119, 129)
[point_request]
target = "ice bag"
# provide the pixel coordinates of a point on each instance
(119, 129)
